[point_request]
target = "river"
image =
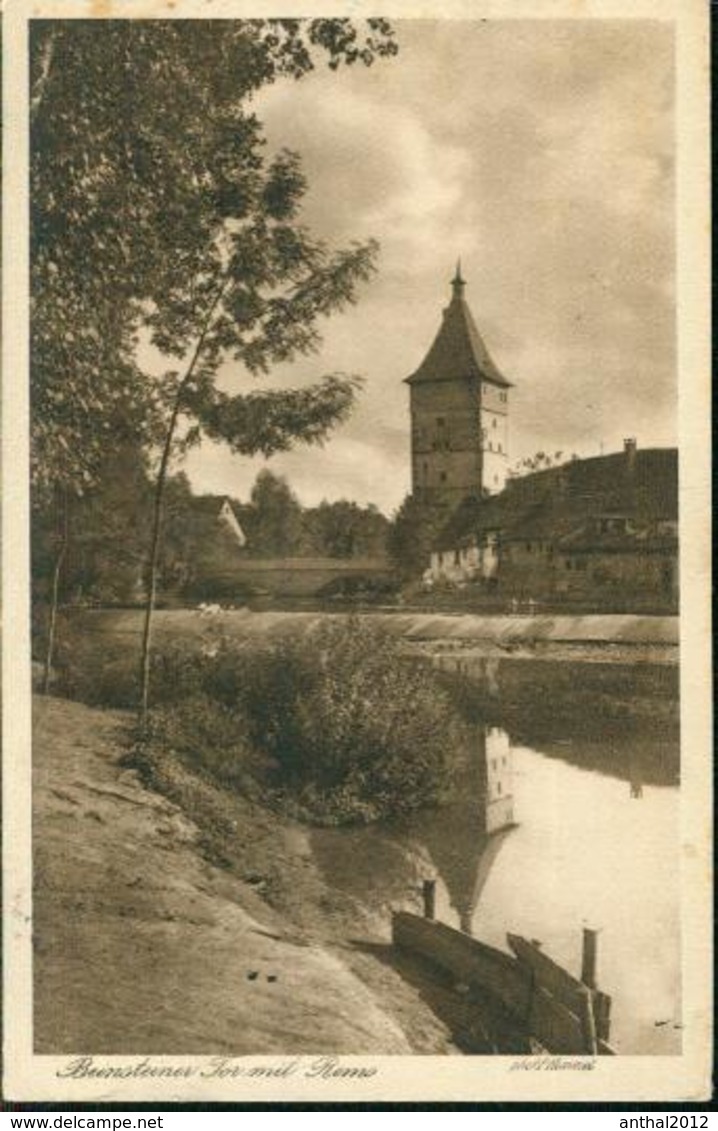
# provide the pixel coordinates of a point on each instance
(586, 834)
(574, 765)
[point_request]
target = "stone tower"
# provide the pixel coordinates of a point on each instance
(459, 413)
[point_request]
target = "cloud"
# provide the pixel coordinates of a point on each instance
(542, 153)
(373, 167)
(347, 468)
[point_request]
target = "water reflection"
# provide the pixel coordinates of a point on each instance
(541, 846)
(463, 837)
(383, 866)
(499, 802)
(583, 853)
(616, 719)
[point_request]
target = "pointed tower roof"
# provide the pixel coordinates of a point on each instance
(458, 350)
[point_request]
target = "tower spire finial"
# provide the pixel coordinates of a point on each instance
(458, 282)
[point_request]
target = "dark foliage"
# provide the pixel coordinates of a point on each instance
(339, 724)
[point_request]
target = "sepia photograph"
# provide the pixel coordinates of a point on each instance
(358, 412)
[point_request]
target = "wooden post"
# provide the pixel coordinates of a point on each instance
(602, 1015)
(588, 1024)
(429, 893)
(589, 957)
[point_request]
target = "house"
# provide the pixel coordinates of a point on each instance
(210, 546)
(228, 519)
(602, 530)
(213, 519)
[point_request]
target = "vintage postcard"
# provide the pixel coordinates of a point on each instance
(357, 698)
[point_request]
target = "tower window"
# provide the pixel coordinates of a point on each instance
(440, 421)
(442, 476)
(493, 425)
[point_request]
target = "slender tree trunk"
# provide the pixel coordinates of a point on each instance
(38, 92)
(55, 591)
(158, 510)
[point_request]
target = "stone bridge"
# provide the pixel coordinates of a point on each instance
(312, 577)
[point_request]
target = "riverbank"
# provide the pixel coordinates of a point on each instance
(579, 684)
(180, 919)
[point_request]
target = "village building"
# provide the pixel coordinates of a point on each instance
(603, 530)
(227, 518)
(459, 403)
(219, 537)
(205, 567)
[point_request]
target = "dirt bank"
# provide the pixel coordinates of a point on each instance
(180, 920)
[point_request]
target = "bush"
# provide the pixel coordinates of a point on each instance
(208, 737)
(102, 669)
(357, 730)
(352, 729)
(96, 669)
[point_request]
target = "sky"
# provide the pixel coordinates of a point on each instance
(542, 153)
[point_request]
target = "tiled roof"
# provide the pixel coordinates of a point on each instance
(458, 350)
(211, 505)
(588, 540)
(556, 502)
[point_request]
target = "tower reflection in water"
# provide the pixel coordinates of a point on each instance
(499, 806)
(463, 838)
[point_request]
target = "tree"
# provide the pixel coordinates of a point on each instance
(346, 530)
(152, 203)
(134, 124)
(413, 530)
(107, 534)
(540, 461)
(108, 528)
(274, 518)
(256, 296)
